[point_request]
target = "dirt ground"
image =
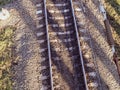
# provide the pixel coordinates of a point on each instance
(26, 70)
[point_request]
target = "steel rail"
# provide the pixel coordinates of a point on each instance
(48, 43)
(81, 57)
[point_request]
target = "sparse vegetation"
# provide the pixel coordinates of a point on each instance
(3, 2)
(113, 10)
(6, 43)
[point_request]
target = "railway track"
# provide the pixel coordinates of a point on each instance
(62, 42)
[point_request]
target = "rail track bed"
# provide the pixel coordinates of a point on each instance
(61, 34)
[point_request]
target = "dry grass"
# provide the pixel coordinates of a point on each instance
(113, 10)
(6, 43)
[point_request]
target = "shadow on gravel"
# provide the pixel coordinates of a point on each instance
(61, 67)
(26, 17)
(104, 86)
(63, 70)
(101, 54)
(23, 50)
(20, 72)
(107, 64)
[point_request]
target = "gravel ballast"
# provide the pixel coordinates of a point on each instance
(107, 69)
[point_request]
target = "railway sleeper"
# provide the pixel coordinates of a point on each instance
(44, 67)
(86, 55)
(40, 18)
(45, 87)
(84, 47)
(40, 15)
(80, 16)
(84, 38)
(90, 65)
(65, 49)
(76, 2)
(40, 34)
(56, 77)
(39, 5)
(41, 41)
(43, 50)
(40, 8)
(41, 29)
(88, 62)
(45, 77)
(62, 33)
(61, 18)
(78, 9)
(83, 30)
(58, 4)
(60, 11)
(43, 59)
(61, 25)
(80, 23)
(57, 86)
(80, 27)
(39, 12)
(40, 26)
(93, 84)
(64, 40)
(92, 74)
